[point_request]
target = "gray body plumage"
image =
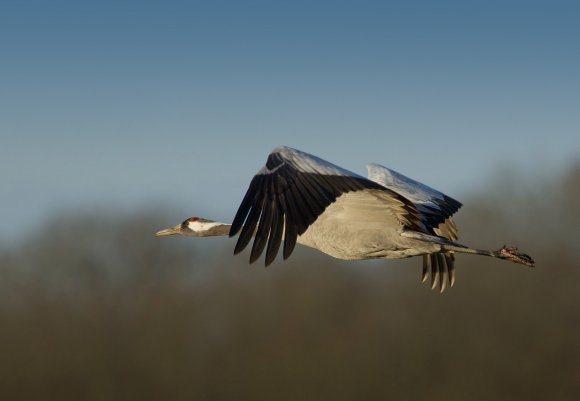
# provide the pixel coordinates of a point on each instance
(361, 225)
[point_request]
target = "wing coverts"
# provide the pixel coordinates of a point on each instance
(435, 207)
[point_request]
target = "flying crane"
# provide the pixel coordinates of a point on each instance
(299, 198)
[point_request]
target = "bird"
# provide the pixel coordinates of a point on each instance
(300, 198)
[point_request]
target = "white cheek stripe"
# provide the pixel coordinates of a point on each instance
(199, 226)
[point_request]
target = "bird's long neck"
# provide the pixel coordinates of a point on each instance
(472, 251)
(217, 230)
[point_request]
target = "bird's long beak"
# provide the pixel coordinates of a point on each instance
(169, 231)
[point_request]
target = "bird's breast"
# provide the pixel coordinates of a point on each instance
(356, 226)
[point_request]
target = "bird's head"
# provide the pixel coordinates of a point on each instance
(196, 227)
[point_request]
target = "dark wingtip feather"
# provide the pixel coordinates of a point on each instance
(239, 246)
(290, 237)
(263, 231)
(244, 208)
(275, 236)
(248, 230)
(238, 221)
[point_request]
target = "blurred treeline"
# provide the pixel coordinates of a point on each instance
(97, 308)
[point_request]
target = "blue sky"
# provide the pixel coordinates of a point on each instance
(129, 104)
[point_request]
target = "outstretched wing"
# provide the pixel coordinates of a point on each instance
(290, 192)
(436, 210)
